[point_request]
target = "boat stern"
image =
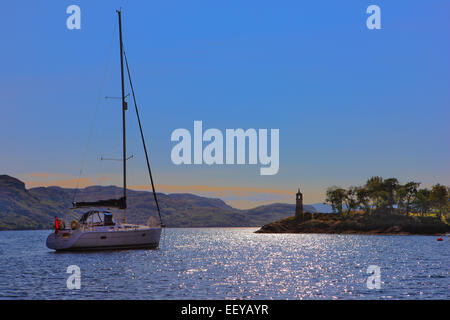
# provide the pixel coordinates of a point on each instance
(61, 240)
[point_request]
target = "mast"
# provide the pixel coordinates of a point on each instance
(124, 108)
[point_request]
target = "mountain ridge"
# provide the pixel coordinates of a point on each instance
(35, 208)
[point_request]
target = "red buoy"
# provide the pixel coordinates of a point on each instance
(439, 239)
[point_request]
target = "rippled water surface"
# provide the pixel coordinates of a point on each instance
(227, 263)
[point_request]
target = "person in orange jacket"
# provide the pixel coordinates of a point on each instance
(56, 224)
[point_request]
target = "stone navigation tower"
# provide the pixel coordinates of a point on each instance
(299, 205)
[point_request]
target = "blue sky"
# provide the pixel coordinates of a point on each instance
(349, 102)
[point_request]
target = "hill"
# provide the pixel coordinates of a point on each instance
(22, 209)
(35, 208)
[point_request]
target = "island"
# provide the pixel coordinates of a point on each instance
(379, 207)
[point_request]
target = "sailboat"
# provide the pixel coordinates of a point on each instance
(97, 229)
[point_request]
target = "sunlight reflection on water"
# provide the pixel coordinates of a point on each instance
(230, 263)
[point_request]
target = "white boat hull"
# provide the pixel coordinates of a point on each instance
(105, 238)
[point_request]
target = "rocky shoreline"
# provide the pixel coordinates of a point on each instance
(359, 224)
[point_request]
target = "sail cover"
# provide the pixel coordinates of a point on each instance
(116, 203)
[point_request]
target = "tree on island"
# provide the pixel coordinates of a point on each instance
(421, 202)
(351, 199)
(374, 187)
(439, 198)
(335, 197)
(405, 194)
(390, 187)
(363, 198)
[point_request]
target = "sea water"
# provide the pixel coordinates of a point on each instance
(230, 263)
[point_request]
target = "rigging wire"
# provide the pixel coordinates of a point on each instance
(95, 114)
(142, 136)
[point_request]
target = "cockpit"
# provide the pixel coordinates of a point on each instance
(97, 218)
